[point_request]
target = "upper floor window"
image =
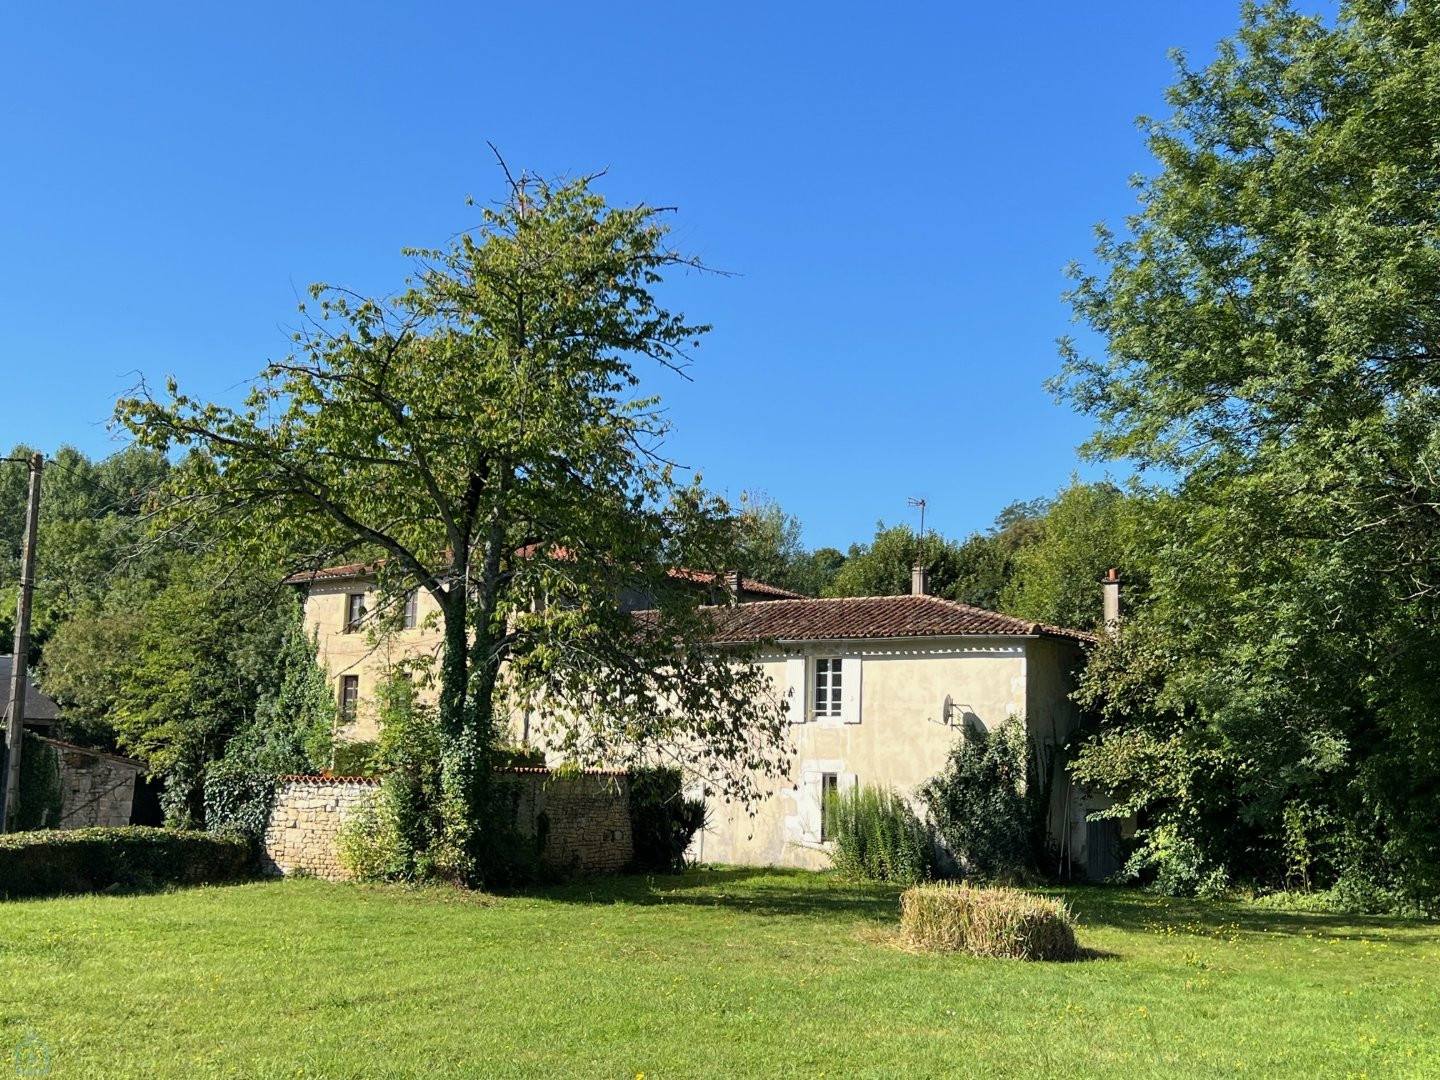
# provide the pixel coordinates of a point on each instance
(825, 698)
(411, 615)
(354, 612)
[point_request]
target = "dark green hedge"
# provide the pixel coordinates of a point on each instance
(135, 857)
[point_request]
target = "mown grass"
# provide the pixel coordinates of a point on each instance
(712, 974)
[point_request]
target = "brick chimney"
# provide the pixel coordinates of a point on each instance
(918, 584)
(733, 582)
(1110, 588)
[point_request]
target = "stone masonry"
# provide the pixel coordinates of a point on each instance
(585, 819)
(96, 788)
(305, 819)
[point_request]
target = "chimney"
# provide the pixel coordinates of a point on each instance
(917, 580)
(1110, 587)
(732, 586)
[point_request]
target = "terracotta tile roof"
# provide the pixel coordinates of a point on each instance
(871, 617)
(750, 585)
(535, 769)
(349, 570)
(702, 577)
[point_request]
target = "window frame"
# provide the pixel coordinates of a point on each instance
(832, 670)
(829, 793)
(354, 612)
(349, 698)
(410, 610)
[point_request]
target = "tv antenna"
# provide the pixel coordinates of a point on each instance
(921, 504)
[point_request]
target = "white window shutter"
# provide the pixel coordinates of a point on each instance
(810, 806)
(795, 690)
(850, 690)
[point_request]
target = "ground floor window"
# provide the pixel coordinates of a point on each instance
(829, 793)
(349, 698)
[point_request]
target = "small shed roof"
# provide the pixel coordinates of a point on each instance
(38, 706)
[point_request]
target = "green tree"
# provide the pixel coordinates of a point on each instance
(1055, 578)
(771, 549)
(882, 567)
(205, 654)
(770, 546)
(1271, 318)
(479, 435)
(815, 571)
(985, 562)
(975, 571)
(91, 534)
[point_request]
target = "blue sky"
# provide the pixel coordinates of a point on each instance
(897, 189)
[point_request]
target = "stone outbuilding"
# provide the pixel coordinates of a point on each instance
(96, 788)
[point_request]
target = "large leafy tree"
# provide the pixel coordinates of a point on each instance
(1271, 318)
(771, 550)
(90, 536)
(1055, 577)
(481, 437)
(882, 567)
(973, 571)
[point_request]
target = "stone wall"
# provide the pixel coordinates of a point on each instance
(584, 820)
(96, 789)
(305, 819)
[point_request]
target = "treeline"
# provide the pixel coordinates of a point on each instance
(154, 643)
(171, 645)
(1041, 559)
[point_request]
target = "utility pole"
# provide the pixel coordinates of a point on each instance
(15, 730)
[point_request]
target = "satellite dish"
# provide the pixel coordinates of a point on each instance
(947, 708)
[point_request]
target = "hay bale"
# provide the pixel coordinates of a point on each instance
(987, 922)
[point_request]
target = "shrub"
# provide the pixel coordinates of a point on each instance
(37, 799)
(989, 805)
(400, 837)
(238, 798)
(358, 757)
(89, 860)
(878, 837)
(368, 842)
(662, 820)
(987, 922)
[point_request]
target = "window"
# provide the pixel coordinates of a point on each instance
(825, 701)
(349, 698)
(829, 793)
(354, 612)
(412, 609)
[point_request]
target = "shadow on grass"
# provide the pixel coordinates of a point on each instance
(137, 886)
(764, 891)
(775, 892)
(1135, 909)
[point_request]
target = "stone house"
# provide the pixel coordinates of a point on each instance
(341, 603)
(881, 688)
(880, 691)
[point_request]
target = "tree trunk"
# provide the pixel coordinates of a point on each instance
(467, 686)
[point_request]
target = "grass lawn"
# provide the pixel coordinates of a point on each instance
(719, 973)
